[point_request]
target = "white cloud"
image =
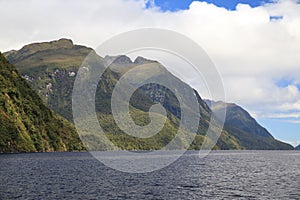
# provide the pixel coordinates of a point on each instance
(291, 106)
(293, 143)
(283, 116)
(294, 122)
(250, 51)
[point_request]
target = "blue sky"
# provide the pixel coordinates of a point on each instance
(174, 5)
(283, 130)
(284, 82)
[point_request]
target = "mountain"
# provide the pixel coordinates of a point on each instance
(245, 128)
(297, 147)
(51, 67)
(27, 125)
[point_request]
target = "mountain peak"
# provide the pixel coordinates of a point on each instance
(141, 60)
(62, 43)
(61, 51)
(33, 48)
(120, 60)
(123, 60)
(219, 104)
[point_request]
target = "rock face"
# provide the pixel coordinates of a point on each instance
(140, 60)
(51, 69)
(27, 125)
(119, 60)
(245, 128)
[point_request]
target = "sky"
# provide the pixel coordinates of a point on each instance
(176, 5)
(255, 45)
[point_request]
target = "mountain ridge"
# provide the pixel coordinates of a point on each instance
(246, 129)
(51, 72)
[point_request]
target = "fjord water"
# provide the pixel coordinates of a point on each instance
(220, 175)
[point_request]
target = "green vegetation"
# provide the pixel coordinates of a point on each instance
(51, 67)
(246, 130)
(27, 125)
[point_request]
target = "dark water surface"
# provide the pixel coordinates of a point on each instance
(221, 175)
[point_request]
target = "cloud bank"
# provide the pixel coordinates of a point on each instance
(253, 48)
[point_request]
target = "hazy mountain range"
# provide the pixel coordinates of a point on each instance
(50, 69)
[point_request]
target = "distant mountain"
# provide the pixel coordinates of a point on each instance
(51, 67)
(245, 128)
(297, 147)
(27, 125)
